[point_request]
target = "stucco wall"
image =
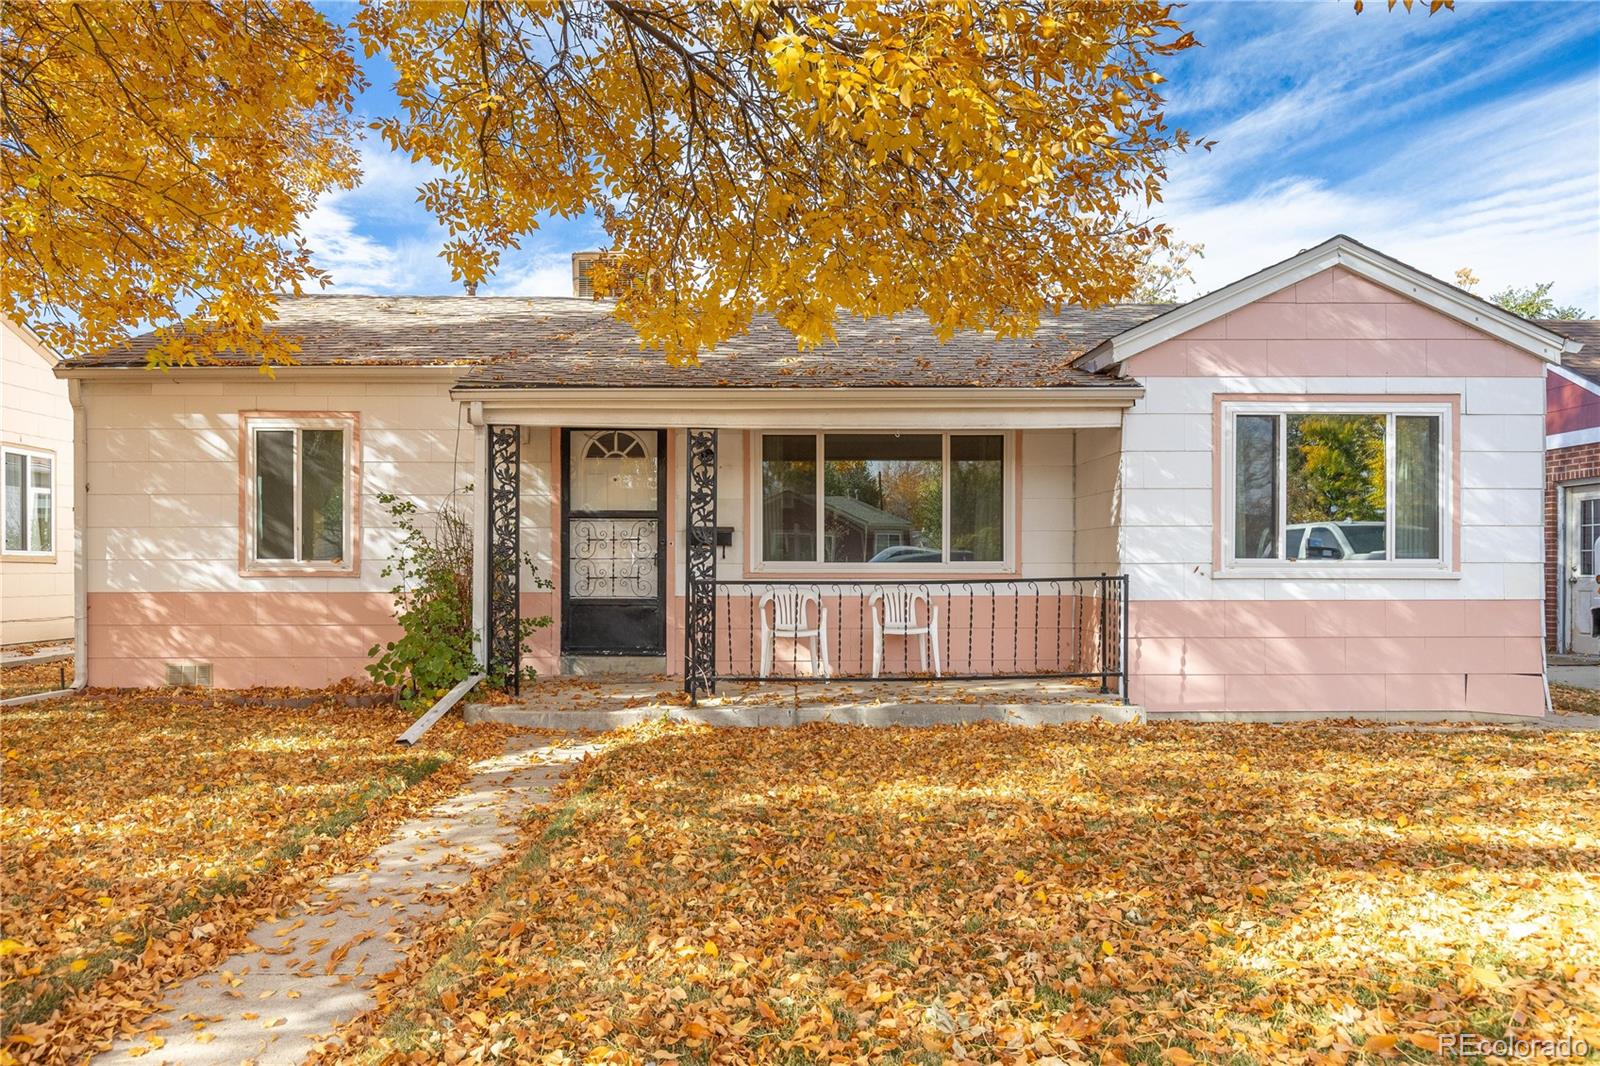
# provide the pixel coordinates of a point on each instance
(1467, 641)
(162, 533)
(36, 600)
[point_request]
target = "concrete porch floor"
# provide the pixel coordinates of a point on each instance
(599, 704)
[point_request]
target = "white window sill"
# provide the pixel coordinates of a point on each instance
(266, 569)
(1337, 573)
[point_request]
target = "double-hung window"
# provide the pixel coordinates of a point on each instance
(854, 499)
(300, 487)
(30, 502)
(1336, 485)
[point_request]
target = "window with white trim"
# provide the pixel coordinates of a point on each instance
(883, 498)
(1340, 485)
(300, 477)
(30, 502)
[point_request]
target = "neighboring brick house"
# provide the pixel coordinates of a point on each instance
(1572, 493)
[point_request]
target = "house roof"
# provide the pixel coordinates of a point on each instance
(1358, 258)
(516, 342)
(1585, 361)
(864, 514)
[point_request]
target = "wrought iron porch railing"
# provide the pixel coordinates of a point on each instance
(1061, 627)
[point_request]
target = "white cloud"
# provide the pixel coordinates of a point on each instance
(546, 274)
(376, 238)
(1510, 186)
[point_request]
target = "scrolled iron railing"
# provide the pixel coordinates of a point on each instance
(808, 630)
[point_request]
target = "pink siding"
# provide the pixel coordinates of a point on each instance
(1569, 406)
(1334, 324)
(1337, 656)
(303, 639)
(544, 647)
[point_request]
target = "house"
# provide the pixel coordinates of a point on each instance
(1314, 491)
(1572, 494)
(36, 554)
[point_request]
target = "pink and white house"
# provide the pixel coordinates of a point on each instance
(1316, 491)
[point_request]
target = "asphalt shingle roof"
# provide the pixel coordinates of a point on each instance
(1587, 330)
(511, 342)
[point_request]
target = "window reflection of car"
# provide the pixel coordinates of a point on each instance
(911, 553)
(1320, 541)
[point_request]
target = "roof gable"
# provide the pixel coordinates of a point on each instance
(1352, 255)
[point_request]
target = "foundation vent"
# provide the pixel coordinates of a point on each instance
(189, 674)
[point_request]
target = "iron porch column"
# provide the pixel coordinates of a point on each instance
(505, 554)
(700, 563)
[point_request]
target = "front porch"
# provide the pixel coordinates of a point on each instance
(721, 542)
(581, 703)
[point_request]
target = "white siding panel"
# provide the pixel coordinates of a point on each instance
(1505, 396)
(1502, 433)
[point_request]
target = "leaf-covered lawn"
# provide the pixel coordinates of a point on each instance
(1570, 699)
(1083, 893)
(144, 834)
(22, 679)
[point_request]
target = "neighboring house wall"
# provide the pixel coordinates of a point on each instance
(1572, 407)
(1572, 425)
(1467, 642)
(165, 507)
(1561, 466)
(36, 601)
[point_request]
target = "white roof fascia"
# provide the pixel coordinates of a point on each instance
(889, 408)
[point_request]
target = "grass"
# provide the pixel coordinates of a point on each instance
(1140, 894)
(130, 821)
(25, 679)
(1570, 699)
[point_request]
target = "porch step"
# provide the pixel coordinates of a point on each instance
(637, 667)
(530, 716)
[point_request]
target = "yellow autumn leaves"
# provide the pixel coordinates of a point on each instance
(158, 161)
(144, 833)
(1167, 894)
(973, 162)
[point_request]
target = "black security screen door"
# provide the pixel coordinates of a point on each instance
(613, 513)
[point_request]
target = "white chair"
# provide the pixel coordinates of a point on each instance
(791, 619)
(898, 618)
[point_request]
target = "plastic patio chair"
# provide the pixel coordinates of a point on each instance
(790, 618)
(898, 618)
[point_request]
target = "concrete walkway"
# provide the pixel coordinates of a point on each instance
(40, 653)
(311, 971)
(1583, 675)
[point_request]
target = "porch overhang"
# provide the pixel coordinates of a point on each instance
(888, 408)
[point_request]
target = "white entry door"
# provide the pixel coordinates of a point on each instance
(1582, 565)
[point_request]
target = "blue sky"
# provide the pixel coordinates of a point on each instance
(1471, 138)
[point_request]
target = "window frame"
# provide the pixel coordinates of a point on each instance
(29, 491)
(1006, 564)
(252, 423)
(1282, 567)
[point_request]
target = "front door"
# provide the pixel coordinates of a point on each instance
(1582, 565)
(613, 510)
